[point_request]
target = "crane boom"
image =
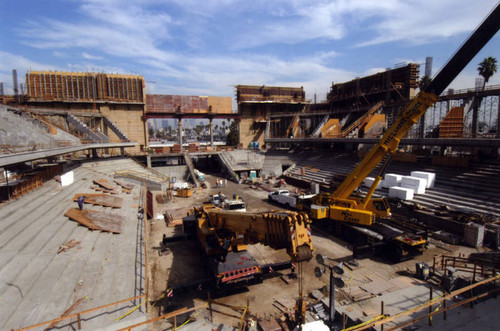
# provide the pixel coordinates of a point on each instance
(277, 229)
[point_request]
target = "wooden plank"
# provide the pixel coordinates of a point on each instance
(101, 199)
(96, 220)
(78, 216)
(124, 185)
(66, 312)
(104, 183)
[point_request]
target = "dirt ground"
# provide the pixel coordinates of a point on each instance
(182, 267)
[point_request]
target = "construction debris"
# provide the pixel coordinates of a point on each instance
(68, 245)
(126, 187)
(96, 220)
(100, 199)
(66, 312)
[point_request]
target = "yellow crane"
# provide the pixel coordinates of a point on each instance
(223, 234)
(340, 205)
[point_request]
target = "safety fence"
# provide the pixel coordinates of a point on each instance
(440, 302)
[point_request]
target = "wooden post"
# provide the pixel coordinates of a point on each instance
(382, 313)
(175, 322)
(343, 321)
(442, 262)
(79, 322)
(474, 273)
(430, 307)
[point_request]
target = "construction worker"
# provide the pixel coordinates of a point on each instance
(163, 245)
(81, 200)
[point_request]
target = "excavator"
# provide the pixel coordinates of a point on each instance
(341, 205)
(224, 236)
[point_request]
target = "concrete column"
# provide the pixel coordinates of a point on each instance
(148, 161)
(475, 111)
(211, 132)
(180, 133)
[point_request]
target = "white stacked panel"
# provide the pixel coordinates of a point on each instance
(401, 193)
(391, 180)
(429, 176)
(415, 183)
(369, 181)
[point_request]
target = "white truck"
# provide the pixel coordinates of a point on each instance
(220, 200)
(290, 200)
(235, 205)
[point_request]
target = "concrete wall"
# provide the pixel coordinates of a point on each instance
(129, 118)
(250, 131)
(179, 172)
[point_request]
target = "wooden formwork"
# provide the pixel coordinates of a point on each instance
(27, 183)
(84, 87)
(452, 125)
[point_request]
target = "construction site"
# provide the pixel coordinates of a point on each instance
(376, 209)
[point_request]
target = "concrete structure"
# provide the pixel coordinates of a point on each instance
(256, 104)
(39, 281)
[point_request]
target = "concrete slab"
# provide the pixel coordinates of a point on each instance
(40, 284)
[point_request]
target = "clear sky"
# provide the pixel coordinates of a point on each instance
(207, 47)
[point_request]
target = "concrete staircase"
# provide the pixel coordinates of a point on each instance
(39, 284)
(351, 131)
(119, 133)
(87, 133)
(138, 173)
(225, 162)
(19, 132)
(317, 130)
(190, 166)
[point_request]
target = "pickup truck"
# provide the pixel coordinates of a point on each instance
(290, 200)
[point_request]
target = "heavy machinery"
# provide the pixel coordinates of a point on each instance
(341, 205)
(224, 236)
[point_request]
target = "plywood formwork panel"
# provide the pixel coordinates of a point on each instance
(84, 87)
(452, 125)
(159, 103)
(96, 220)
(331, 129)
(249, 93)
(101, 199)
(220, 105)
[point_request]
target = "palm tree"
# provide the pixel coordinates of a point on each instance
(424, 81)
(487, 68)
